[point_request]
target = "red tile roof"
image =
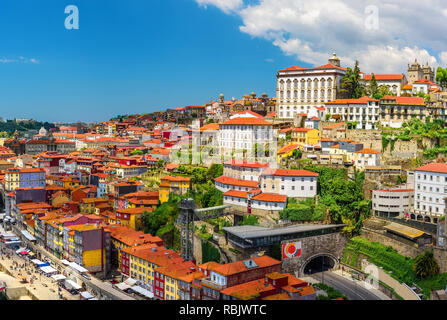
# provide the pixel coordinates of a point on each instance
(237, 182)
(369, 151)
(434, 167)
(362, 100)
(247, 121)
(245, 164)
(368, 77)
(412, 101)
(270, 197)
(290, 173)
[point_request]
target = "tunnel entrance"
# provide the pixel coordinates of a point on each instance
(319, 264)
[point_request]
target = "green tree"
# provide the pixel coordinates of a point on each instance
(351, 86)
(425, 265)
(383, 91)
(137, 152)
(441, 77)
(372, 90)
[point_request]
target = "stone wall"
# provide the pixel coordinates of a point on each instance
(400, 247)
(405, 249)
(333, 245)
(372, 139)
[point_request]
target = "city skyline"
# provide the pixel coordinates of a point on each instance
(129, 56)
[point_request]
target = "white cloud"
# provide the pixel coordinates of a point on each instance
(225, 5)
(443, 59)
(20, 59)
(312, 30)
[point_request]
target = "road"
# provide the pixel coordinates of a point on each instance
(351, 289)
(105, 290)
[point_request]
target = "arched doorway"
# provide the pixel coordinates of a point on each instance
(412, 216)
(427, 219)
(419, 218)
(319, 263)
(435, 220)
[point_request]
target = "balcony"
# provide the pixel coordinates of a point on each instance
(209, 283)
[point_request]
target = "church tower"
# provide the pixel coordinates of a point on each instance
(415, 72)
(429, 73)
(334, 60)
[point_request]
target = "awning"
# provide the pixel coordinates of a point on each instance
(77, 267)
(73, 284)
(122, 286)
(404, 231)
(24, 252)
(87, 295)
(142, 291)
(65, 262)
(36, 261)
(131, 282)
(28, 235)
(59, 277)
(21, 250)
(48, 269)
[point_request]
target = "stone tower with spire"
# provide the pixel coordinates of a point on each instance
(334, 60)
(415, 72)
(428, 72)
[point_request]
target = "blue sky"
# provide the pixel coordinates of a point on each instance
(132, 56)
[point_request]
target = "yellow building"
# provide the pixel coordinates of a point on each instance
(176, 185)
(286, 152)
(123, 237)
(306, 136)
(131, 217)
(88, 205)
(141, 262)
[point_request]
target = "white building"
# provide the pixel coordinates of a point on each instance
(244, 170)
(259, 201)
(430, 191)
(292, 183)
(300, 89)
(394, 111)
(394, 82)
(364, 111)
(366, 158)
(424, 86)
(225, 184)
(392, 203)
(243, 133)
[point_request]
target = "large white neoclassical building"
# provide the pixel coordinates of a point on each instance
(301, 90)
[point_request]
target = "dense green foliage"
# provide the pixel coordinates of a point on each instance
(398, 266)
(162, 219)
(303, 211)
(425, 265)
(201, 174)
(250, 220)
(10, 126)
(351, 86)
(342, 197)
(209, 253)
(332, 294)
(441, 77)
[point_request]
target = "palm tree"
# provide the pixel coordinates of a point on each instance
(425, 265)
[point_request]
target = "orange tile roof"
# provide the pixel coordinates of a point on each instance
(246, 164)
(287, 148)
(247, 121)
(368, 151)
(270, 197)
(412, 101)
(368, 77)
(362, 100)
(434, 167)
(239, 266)
(237, 182)
(236, 193)
(290, 173)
